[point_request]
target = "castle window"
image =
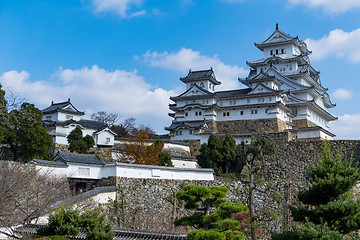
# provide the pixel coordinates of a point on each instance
(190, 132)
(69, 117)
(196, 113)
(254, 111)
(277, 51)
(202, 85)
(107, 140)
(282, 51)
(248, 100)
(48, 118)
(180, 132)
(261, 100)
(271, 52)
(241, 112)
(207, 101)
(270, 99)
(199, 113)
(186, 114)
(266, 110)
(226, 114)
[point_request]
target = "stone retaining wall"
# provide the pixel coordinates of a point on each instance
(247, 126)
(147, 203)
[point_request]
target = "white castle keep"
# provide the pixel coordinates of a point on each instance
(283, 93)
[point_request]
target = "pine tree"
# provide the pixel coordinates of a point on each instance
(213, 216)
(327, 207)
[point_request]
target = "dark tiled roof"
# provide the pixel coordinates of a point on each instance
(120, 234)
(233, 93)
(58, 107)
(68, 157)
(183, 158)
(192, 124)
(199, 75)
(85, 123)
(49, 163)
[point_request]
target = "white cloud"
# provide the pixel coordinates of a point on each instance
(342, 94)
(96, 89)
(120, 7)
(186, 59)
(338, 43)
(346, 127)
(330, 6)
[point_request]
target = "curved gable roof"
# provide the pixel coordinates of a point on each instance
(66, 107)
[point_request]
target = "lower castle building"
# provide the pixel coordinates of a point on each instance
(283, 93)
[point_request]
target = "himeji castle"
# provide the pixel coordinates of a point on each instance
(283, 93)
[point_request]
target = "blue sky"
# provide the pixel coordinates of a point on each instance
(127, 56)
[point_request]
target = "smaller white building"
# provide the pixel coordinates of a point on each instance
(61, 118)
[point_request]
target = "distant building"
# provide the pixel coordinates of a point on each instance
(283, 93)
(61, 118)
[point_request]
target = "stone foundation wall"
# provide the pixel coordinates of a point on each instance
(194, 146)
(303, 123)
(148, 203)
(247, 126)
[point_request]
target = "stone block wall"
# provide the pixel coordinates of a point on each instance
(303, 123)
(247, 126)
(148, 203)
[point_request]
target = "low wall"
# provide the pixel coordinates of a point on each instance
(84, 171)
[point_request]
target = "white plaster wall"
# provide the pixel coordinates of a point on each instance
(309, 134)
(101, 138)
(134, 171)
(53, 116)
(62, 116)
(184, 164)
(58, 172)
(95, 172)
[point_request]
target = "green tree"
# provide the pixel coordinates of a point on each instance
(252, 157)
(218, 153)
(67, 222)
(213, 215)
(63, 222)
(165, 159)
(78, 143)
(327, 206)
(23, 131)
(95, 225)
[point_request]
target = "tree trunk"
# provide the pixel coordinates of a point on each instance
(207, 212)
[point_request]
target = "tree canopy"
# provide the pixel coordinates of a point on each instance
(78, 143)
(213, 215)
(218, 153)
(138, 150)
(327, 207)
(22, 130)
(66, 221)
